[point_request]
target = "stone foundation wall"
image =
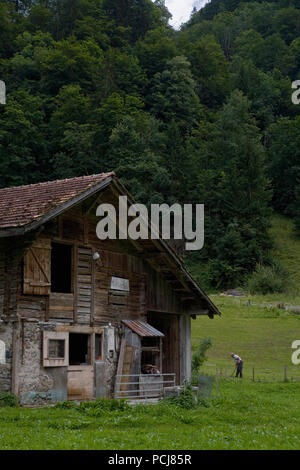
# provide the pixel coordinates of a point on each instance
(38, 384)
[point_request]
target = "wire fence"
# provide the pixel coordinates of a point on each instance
(210, 384)
(283, 373)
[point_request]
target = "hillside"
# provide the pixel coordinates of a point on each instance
(200, 115)
(253, 326)
(287, 249)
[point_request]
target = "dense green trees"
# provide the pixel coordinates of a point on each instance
(201, 115)
(284, 163)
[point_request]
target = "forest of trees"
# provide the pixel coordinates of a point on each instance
(200, 115)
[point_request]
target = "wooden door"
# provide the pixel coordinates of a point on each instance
(80, 382)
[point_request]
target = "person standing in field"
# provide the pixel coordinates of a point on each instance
(238, 364)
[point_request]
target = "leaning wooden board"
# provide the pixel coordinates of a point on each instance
(124, 367)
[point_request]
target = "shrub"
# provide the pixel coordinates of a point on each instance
(268, 279)
(186, 398)
(66, 404)
(199, 357)
(104, 404)
(8, 399)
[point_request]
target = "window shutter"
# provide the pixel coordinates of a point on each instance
(37, 268)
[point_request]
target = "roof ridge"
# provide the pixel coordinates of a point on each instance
(110, 173)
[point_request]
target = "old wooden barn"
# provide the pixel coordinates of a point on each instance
(82, 318)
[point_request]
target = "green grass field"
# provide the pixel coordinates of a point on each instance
(264, 414)
(261, 335)
(253, 326)
(245, 416)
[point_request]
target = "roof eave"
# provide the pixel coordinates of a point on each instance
(23, 229)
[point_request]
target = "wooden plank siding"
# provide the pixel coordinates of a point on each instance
(61, 306)
(85, 286)
(91, 302)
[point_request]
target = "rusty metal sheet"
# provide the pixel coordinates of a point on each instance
(142, 329)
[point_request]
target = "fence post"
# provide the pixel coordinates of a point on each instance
(216, 382)
(253, 377)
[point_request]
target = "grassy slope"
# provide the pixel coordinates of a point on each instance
(260, 334)
(287, 249)
(245, 416)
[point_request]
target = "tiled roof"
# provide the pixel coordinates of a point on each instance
(21, 205)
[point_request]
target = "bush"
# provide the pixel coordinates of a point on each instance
(268, 279)
(8, 399)
(186, 398)
(199, 357)
(104, 404)
(66, 404)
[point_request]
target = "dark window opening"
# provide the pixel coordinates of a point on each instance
(79, 349)
(98, 347)
(61, 268)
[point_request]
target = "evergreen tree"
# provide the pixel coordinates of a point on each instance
(174, 97)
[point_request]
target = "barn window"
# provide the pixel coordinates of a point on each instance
(61, 268)
(79, 349)
(55, 349)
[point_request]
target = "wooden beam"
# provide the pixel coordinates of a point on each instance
(75, 281)
(160, 355)
(91, 206)
(199, 312)
(93, 294)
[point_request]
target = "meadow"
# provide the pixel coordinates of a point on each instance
(255, 329)
(253, 326)
(246, 415)
(263, 414)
